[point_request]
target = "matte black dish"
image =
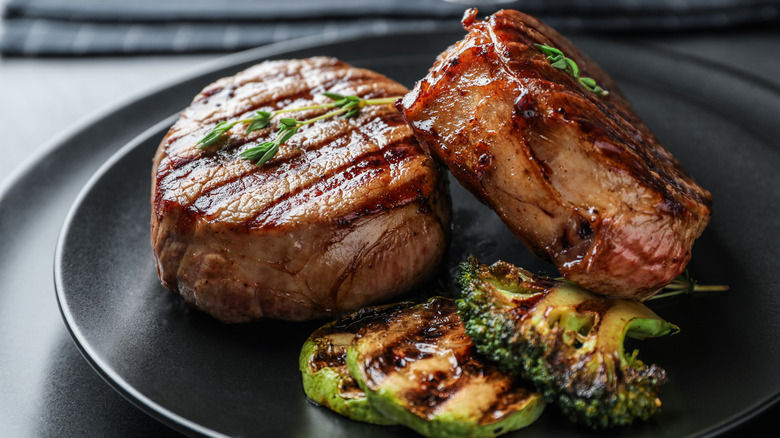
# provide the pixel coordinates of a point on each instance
(203, 377)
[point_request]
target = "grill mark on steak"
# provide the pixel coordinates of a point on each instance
(316, 155)
(361, 171)
(243, 242)
(290, 157)
(274, 101)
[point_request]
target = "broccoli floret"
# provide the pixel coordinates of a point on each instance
(566, 340)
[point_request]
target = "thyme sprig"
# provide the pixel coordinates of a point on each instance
(685, 284)
(346, 107)
(561, 62)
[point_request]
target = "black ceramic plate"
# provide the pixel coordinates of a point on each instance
(205, 378)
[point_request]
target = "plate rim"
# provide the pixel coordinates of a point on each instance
(105, 371)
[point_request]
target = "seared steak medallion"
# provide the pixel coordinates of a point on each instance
(349, 212)
(578, 177)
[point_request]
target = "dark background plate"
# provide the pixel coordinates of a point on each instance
(200, 376)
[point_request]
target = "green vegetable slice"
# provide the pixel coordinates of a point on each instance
(418, 367)
(322, 363)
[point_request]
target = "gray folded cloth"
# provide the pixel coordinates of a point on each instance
(116, 27)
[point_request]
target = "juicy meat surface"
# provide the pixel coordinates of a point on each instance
(349, 211)
(579, 178)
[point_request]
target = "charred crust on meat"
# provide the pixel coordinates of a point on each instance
(556, 148)
(335, 179)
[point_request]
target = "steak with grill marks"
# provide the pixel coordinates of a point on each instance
(578, 177)
(349, 212)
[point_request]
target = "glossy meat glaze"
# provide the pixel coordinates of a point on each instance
(349, 212)
(579, 178)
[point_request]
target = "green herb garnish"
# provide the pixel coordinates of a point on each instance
(346, 107)
(561, 62)
(685, 284)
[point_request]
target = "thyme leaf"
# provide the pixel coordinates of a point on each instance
(260, 121)
(685, 284)
(561, 62)
(215, 134)
(344, 106)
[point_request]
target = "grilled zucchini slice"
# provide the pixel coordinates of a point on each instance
(419, 367)
(322, 363)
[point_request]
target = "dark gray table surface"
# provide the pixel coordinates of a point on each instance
(42, 98)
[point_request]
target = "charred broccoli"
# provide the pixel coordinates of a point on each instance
(566, 340)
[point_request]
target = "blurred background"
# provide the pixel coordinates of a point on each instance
(64, 61)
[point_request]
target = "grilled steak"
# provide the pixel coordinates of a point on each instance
(349, 212)
(578, 177)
